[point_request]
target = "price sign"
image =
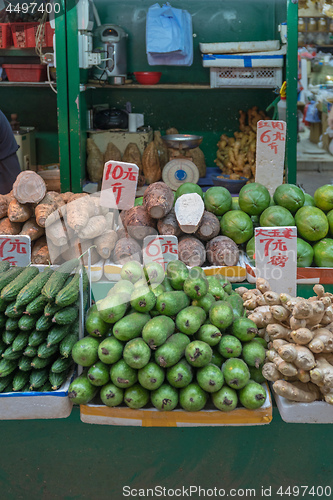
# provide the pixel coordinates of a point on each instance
(161, 249)
(16, 250)
(276, 257)
(271, 145)
(119, 185)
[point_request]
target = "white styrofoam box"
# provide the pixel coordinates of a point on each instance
(36, 405)
(318, 412)
(96, 270)
(242, 61)
(238, 47)
(245, 77)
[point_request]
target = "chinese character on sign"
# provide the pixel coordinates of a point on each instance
(161, 249)
(16, 250)
(119, 185)
(271, 144)
(276, 257)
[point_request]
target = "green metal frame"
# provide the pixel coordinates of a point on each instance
(62, 98)
(291, 79)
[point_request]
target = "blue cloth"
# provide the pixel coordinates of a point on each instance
(169, 36)
(8, 145)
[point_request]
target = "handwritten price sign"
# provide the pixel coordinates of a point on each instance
(161, 249)
(119, 185)
(271, 145)
(276, 257)
(16, 250)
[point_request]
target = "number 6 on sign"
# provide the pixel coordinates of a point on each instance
(119, 185)
(161, 249)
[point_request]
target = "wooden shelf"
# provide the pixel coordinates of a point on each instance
(26, 84)
(158, 86)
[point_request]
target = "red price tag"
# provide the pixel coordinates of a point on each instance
(16, 250)
(271, 144)
(119, 185)
(276, 257)
(161, 249)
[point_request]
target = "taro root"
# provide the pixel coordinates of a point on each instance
(191, 251)
(222, 251)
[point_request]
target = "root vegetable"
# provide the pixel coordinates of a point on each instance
(222, 251)
(319, 290)
(189, 210)
(125, 250)
(322, 341)
(254, 293)
(42, 257)
(328, 316)
(66, 196)
(191, 251)
(4, 202)
(111, 153)
(49, 204)
(279, 313)
(297, 391)
(276, 331)
(95, 163)
(198, 159)
(158, 200)
(277, 344)
(151, 164)
(322, 375)
(241, 290)
(29, 187)
(32, 229)
(250, 304)
(272, 298)
(132, 155)
(262, 285)
(18, 212)
(78, 212)
(303, 376)
(301, 356)
(209, 227)
(105, 243)
(169, 225)
(295, 324)
(9, 228)
(95, 227)
(259, 318)
(138, 223)
(287, 369)
(57, 233)
(302, 336)
(162, 150)
(271, 373)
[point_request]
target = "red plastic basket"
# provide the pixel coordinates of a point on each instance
(24, 35)
(6, 39)
(25, 72)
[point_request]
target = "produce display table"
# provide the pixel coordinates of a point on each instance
(66, 459)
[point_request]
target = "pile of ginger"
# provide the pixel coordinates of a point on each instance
(236, 156)
(299, 332)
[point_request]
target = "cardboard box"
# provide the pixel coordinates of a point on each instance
(315, 132)
(325, 107)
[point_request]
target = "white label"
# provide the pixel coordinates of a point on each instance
(276, 257)
(271, 145)
(16, 250)
(161, 249)
(119, 185)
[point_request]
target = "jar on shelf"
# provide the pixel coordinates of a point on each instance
(301, 24)
(301, 39)
(322, 24)
(320, 38)
(312, 24)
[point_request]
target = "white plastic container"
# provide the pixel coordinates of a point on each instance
(282, 109)
(238, 47)
(245, 77)
(317, 412)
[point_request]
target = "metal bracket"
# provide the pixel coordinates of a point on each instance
(294, 1)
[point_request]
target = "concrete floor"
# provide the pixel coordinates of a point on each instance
(310, 181)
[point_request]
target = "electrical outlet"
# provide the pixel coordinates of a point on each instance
(94, 58)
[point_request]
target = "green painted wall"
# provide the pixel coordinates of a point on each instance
(36, 107)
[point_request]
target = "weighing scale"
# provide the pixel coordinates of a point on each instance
(180, 168)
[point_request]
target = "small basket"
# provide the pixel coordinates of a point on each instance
(245, 77)
(24, 35)
(6, 39)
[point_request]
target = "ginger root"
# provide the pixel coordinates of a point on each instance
(297, 391)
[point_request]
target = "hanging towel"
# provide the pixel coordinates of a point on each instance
(169, 37)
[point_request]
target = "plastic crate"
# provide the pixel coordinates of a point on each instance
(25, 72)
(6, 39)
(24, 35)
(245, 77)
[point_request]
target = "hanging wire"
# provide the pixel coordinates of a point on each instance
(39, 38)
